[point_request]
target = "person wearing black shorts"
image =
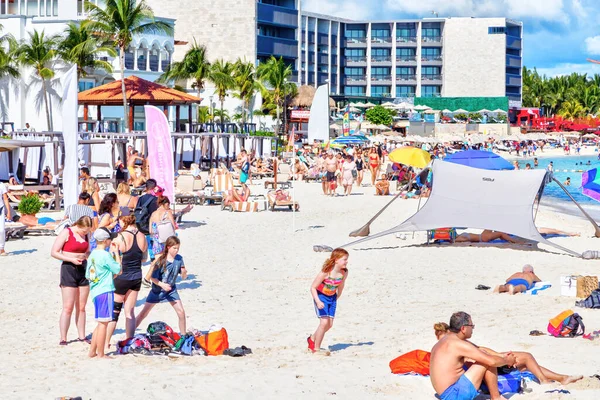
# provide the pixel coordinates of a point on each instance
(330, 176)
(133, 247)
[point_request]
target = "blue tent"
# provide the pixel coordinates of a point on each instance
(479, 159)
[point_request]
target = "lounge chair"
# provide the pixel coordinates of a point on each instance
(40, 230)
(273, 202)
(186, 195)
(14, 230)
(282, 179)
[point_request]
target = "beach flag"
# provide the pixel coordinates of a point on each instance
(160, 151)
(346, 121)
(70, 137)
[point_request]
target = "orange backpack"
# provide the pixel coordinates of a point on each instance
(214, 343)
(414, 362)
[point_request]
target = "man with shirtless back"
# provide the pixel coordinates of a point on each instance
(331, 165)
(448, 356)
(519, 282)
(131, 159)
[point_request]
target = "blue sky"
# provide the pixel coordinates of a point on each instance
(558, 34)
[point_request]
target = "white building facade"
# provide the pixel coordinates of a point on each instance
(147, 57)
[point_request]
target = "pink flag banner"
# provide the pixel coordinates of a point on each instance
(160, 150)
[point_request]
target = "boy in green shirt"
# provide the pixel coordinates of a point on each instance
(100, 269)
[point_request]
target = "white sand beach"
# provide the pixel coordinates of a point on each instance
(251, 273)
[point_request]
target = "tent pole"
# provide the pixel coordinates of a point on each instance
(364, 231)
(536, 208)
(596, 227)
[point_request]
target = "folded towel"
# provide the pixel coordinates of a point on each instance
(539, 286)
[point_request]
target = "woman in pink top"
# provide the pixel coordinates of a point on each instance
(348, 168)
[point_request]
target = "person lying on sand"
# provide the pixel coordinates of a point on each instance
(524, 361)
(552, 231)
(485, 236)
(519, 282)
(450, 381)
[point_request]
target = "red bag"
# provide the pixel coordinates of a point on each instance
(415, 362)
(214, 343)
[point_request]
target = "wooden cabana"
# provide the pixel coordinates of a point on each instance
(139, 92)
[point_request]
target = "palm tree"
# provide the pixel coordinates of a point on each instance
(274, 75)
(221, 75)
(222, 116)
(83, 49)
(39, 53)
(194, 66)
(245, 85)
(9, 70)
(203, 115)
(117, 23)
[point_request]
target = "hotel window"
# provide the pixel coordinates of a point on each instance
(430, 71)
(405, 91)
(379, 73)
(354, 90)
(380, 33)
(430, 51)
(86, 85)
(405, 71)
(406, 52)
(406, 32)
(380, 91)
(355, 52)
(355, 33)
(496, 30)
(430, 91)
(354, 71)
(431, 32)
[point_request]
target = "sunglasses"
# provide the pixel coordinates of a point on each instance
(471, 325)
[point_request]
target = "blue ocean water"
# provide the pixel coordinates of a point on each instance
(565, 167)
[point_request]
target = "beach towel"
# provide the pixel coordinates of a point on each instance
(538, 287)
(414, 362)
(245, 206)
(507, 383)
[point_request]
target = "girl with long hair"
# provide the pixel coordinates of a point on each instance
(109, 213)
(374, 164)
(92, 188)
(163, 275)
(72, 247)
(326, 289)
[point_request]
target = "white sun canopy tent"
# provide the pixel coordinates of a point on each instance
(477, 198)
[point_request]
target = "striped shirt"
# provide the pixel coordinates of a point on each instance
(76, 211)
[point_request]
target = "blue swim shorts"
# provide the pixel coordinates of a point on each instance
(243, 177)
(160, 296)
(462, 389)
(103, 306)
(330, 304)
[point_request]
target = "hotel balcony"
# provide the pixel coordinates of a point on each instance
(407, 40)
(381, 79)
(513, 80)
(381, 40)
(355, 80)
(381, 59)
(432, 60)
(513, 42)
(282, 16)
(406, 78)
(429, 79)
(431, 39)
(356, 42)
(513, 61)
(406, 59)
(355, 60)
(268, 45)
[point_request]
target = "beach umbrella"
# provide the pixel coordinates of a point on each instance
(388, 104)
(460, 111)
(410, 156)
(479, 159)
(499, 111)
(484, 110)
(359, 104)
(421, 107)
(590, 184)
(403, 105)
(382, 127)
(446, 111)
(369, 105)
(352, 139)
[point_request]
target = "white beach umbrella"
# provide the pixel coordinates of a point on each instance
(369, 105)
(388, 104)
(404, 105)
(484, 110)
(460, 111)
(499, 111)
(446, 111)
(359, 104)
(421, 107)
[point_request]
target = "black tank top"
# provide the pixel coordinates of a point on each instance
(131, 261)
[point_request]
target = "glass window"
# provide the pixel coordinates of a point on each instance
(430, 91)
(86, 85)
(381, 52)
(405, 71)
(380, 90)
(431, 51)
(431, 32)
(406, 51)
(406, 32)
(430, 70)
(380, 71)
(380, 33)
(355, 33)
(405, 91)
(354, 90)
(355, 52)
(354, 71)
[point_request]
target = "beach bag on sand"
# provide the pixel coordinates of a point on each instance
(509, 382)
(586, 285)
(161, 335)
(566, 324)
(214, 343)
(593, 300)
(414, 362)
(139, 344)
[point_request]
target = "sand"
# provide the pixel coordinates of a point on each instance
(252, 272)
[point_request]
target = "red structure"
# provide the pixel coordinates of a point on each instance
(530, 119)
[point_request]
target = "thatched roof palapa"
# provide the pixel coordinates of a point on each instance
(305, 96)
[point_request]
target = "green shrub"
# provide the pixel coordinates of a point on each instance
(30, 204)
(461, 116)
(379, 115)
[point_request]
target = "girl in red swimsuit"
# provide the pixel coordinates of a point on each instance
(72, 248)
(373, 165)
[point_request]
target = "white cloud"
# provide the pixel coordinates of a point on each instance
(592, 45)
(569, 68)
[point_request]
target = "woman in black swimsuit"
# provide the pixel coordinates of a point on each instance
(133, 247)
(360, 166)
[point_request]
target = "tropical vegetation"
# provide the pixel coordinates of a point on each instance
(379, 115)
(274, 75)
(570, 96)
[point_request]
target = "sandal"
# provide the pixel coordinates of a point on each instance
(62, 343)
(482, 287)
(536, 333)
(88, 341)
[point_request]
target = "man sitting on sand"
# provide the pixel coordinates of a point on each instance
(519, 282)
(525, 361)
(382, 186)
(485, 236)
(448, 356)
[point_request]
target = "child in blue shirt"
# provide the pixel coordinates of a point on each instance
(100, 270)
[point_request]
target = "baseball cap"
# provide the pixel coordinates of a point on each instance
(103, 234)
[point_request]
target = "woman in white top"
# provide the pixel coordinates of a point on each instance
(162, 225)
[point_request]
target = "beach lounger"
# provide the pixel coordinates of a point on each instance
(40, 230)
(186, 195)
(273, 202)
(283, 178)
(14, 230)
